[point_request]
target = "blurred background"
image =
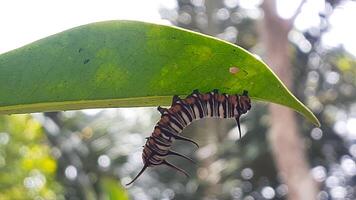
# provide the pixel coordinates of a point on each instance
(91, 154)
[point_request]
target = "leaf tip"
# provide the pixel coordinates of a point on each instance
(315, 121)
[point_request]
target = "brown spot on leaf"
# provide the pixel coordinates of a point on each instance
(234, 70)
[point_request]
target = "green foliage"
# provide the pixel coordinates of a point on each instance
(346, 64)
(113, 190)
(126, 64)
(27, 170)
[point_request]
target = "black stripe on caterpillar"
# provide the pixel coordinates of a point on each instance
(183, 112)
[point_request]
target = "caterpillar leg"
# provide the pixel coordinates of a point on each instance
(237, 118)
(180, 155)
(178, 137)
(175, 99)
(175, 167)
(196, 91)
(162, 110)
(138, 175)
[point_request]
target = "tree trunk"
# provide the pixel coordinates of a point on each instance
(287, 146)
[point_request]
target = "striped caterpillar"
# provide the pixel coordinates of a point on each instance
(183, 112)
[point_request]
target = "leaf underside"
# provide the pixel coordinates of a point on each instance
(130, 64)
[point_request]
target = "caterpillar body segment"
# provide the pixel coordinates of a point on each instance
(182, 113)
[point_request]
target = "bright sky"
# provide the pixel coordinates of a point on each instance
(24, 21)
(341, 29)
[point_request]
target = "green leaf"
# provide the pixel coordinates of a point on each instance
(127, 64)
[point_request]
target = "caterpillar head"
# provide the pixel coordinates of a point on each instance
(244, 103)
(147, 153)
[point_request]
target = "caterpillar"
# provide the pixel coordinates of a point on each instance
(183, 112)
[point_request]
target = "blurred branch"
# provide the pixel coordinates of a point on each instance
(83, 188)
(297, 11)
(287, 145)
